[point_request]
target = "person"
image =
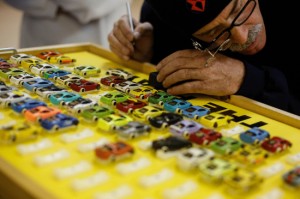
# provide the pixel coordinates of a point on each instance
(216, 47)
(49, 22)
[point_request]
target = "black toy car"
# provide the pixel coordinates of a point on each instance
(165, 119)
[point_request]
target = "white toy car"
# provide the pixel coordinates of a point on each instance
(80, 104)
(21, 78)
(39, 68)
(127, 86)
(17, 58)
(15, 96)
(190, 158)
(119, 72)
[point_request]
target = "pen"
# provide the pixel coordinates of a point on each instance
(129, 16)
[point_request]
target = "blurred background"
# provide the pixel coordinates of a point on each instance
(10, 23)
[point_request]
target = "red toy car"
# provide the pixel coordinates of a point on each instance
(114, 151)
(83, 85)
(46, 54)
(7, 65)
(276, 144)
(111, 81)
(129, 105)
(204, 136)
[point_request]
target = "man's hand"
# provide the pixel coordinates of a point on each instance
(135, 45)
(184, 72)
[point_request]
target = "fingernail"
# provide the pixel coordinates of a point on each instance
(136, 35)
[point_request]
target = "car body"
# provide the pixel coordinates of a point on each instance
(83, 85)
(142, 92)
(63, 97)
(7, 65)
(18, 132)
(133, 130)
(49, 53)
(127, 86)
(254, 135)
(129, 105)
(45, 92)
(165, 119)
(87, 71)
(195, 112)
(7, 73)
(204, 136)
(226, 145)
(96, 112)
(146, 112)
(16, 58)
(29, 103)
(61, 60)
(56, 72)
(189, 159)
(113, 151)
(215, 120)
(58, 122)
(160, 97)
(119, 72)
(184, 128)
(113, 121)
(292, 177)
(29, 63)
(113, 97)
(6, 89)
(80, 104)
(170, 144)
(176, 105)
(6, 99)
(276, 144)
(66, 80)
(214, 169)
(111, 81)
(39, 69)
(251, 155)
(19, 80)
(33, 85)
(40, 112)
(242, 180)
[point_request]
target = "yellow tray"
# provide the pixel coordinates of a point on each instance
(20, 177)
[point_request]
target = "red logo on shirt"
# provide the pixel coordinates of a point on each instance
(197, 5)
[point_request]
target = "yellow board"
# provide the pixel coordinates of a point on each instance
(113, 180)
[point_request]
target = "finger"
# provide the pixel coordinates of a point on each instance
(184, 75)
(179, 64)
(123, 37)
(183, 53)
(190, 87)
(118, 53)
(142, 29)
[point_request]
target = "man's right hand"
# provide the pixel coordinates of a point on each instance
(135, 45)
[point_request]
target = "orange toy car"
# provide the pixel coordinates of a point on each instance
(114, 151)
(40, 112)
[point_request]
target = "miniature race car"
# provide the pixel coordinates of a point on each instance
(113, 151)
(58, 122)
(63, 97)
(40, 112)
(33, 85)
(276, 144)
(129, 105)
(184, 128)
(83, 85)
(133, 130)
(215, 120)
(22, 106)
(254, 135)
(176, 105)
(204, 136)
(165, 119)
(87, 71)
(119, 72)
(96, 112)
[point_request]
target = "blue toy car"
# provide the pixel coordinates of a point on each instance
(49, 74)
(254, 135)
(63, 97)
(59, 121)
(176, 105)
(26, 104)
(195, 112)
(37, 83)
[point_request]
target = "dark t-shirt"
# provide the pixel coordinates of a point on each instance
(271, 75)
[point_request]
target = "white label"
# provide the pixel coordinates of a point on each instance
(163, 175)
(271, 170)
(125, 168)
(30, 148)
(180, 191)
(82, 184)
(67, 138)
(91, 146)
(80, 167)
(54, 157)
(119, 193)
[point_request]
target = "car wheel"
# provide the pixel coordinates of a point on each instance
(22, 83)
(215, 125)
(13, 138)
(34, 89)
(112, 85)
(55, 128)
(127, 90)
(95, 119)
(142, 97)
(84, 74)
(82, 90)
(113, 128)
(160, 103)
(38, 119)
(186, 134)
(164, 125)
(132, 136)
(196, 117)
(98, 87)
(62, 103)
(164, 149)
(130, 110)
(9, 76)
(78, 111)
(114, 102)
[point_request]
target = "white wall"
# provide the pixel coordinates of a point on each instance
(10, 22)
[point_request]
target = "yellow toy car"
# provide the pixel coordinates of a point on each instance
(215, 120)
(62, 60)
(146, 112)
(18, 132)
(112, 121)
(87, 71)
